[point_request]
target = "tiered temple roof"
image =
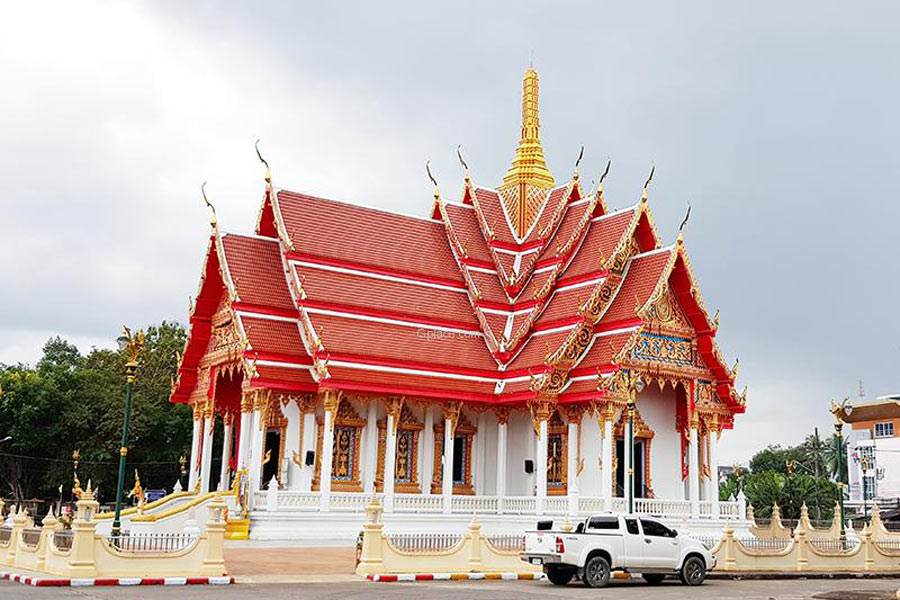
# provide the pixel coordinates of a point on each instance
(530, 289)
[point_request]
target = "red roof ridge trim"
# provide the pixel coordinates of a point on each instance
(258, 310)
(349, 360)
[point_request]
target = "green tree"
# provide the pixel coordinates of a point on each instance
(71, 402)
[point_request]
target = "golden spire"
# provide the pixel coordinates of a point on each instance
(528, 167)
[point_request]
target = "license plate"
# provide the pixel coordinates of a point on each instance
(536, 561)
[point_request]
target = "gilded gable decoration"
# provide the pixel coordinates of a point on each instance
(406, 466)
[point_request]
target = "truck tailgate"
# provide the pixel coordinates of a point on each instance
(541, 542)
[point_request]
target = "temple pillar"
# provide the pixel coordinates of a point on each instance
(243, 439)
(371, 448)
(628, 464)
(331, 399)
(194, 475)
(540, 415)
(393, 408)
(257, 437)
(427, 445)
(713, 483)
(607, 473)
(480, 452)
(225, 470)
(574, 418)
(209, 427)
(502, 421)
(451, 416)
(694, 467)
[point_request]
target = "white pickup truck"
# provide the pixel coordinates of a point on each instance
(605, 543)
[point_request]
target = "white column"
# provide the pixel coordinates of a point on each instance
(257, 437)
(572, 468)
(309, 443)
(370, 450)
(209, 426)
(194, 471)
(427, 441)
(501, 461)
(480, 452)
(541, 466)
(390, 460)
(628, 459)
(243, 441)
(225, 471)
(713, 490)
(447, 477)
(607, 474)
(694, 471)
(327, 457)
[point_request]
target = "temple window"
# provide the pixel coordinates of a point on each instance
(348, 427)
(557, 455)
(406, 468)
(462, 457)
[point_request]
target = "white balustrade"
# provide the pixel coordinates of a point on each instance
(351, 501)
(556, 505)
(730, 510)
(473, 504)
(418, 503)
(512, 505)
(589, 505)
(660, 507)
(519, 505)
(298, 500)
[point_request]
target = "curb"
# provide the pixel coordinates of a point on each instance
(114, 581)
(456, 577)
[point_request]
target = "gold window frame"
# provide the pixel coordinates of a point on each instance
(464, 428)
(407, 424)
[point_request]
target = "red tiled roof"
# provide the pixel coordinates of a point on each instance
(642, 277)
(373, 268)
(364, 235)
(256, 270)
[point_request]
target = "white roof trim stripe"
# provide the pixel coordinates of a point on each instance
(415, 324)
(393, 278)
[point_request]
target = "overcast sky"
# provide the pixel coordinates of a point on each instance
(778, 124)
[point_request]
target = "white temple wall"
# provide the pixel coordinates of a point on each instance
(520, 445)
(590, 481)
(658, 410)
(489, 465)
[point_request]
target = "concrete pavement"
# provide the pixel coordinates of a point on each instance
(845, 589)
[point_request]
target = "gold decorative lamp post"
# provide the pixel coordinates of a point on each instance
(132, 346)
(840, 412)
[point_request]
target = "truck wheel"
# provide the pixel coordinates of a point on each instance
(653, 578)
(596, 572)
(693, 571)
(560, 575)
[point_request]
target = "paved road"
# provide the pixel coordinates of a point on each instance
(474, 590)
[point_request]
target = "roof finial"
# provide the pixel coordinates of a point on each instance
(212, 220)
(683, 223)
(437, 192)
(602, 177)
(578, 161)
(263, 161)
(647, 183)
(461, 161)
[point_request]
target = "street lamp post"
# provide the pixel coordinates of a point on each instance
(131, 345)
(864, 463)
(840, 411)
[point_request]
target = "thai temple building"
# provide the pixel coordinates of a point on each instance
(474, 360)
